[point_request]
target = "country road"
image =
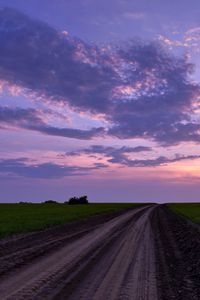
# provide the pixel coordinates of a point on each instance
(118, 258)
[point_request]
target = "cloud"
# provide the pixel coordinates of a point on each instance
(159, 161)
(32, 119)
(115, 153)
(119, 156)
(68, 132)
(21, 167)
(163, 112)
(171, 42)
(139, 88)
(190, 41)
(18, 115)
(37, 57)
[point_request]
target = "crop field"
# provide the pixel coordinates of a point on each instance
(188, 210)
(20, 218)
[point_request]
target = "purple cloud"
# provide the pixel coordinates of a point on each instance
(119, 156)
(141, 90)
(32, 119)
(159, 161)
(115, 153)
(21, 167)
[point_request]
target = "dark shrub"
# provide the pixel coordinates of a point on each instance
(50, 202)
(73, 200)
(83, 200)
(76, 200)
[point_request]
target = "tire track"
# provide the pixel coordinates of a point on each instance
(20, 250)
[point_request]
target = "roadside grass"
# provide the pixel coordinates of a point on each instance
(21, 218)
(188, 210)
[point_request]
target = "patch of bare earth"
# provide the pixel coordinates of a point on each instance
(177, 250)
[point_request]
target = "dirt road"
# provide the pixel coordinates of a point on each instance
(143, 254)
(111, 260)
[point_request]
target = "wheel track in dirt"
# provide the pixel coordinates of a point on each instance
(19, 250)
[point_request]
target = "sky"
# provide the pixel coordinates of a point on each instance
(100, 98)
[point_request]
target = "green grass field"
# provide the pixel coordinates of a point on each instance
(19, 218)
(188, 210)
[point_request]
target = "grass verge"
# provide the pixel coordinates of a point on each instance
(21, 218)
(188, 210)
